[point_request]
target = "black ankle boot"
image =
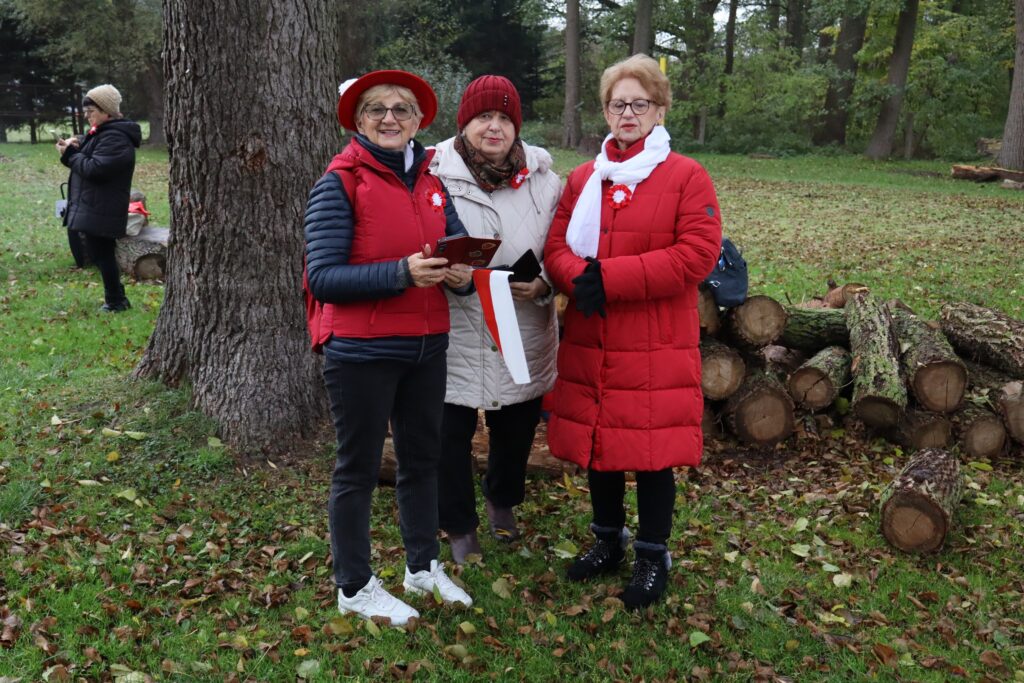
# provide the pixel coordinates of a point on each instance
(117, 306)
(650, 576)
(604, 557)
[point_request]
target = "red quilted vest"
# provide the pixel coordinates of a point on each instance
(390, 223)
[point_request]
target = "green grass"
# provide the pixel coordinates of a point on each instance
(161, 552)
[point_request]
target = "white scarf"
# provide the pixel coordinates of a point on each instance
(583, 233)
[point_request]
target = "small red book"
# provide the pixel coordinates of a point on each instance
(472, 251)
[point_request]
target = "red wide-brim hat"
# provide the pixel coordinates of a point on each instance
(425, 96)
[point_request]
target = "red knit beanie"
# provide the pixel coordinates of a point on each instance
(490, 93)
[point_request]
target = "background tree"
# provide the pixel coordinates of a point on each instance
(881, 143)
(251, 93)
(853, 24)
(571, 113)
(31, 92)
(643, 28)
(105, 41)
(1011, 155)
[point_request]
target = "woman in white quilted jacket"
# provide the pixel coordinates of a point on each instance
(502, 188)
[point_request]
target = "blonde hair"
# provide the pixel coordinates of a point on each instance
(642, 68)
(379, 92)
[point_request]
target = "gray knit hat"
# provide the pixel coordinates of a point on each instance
(106, 97)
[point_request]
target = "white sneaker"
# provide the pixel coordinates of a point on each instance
(373, 601)
(424, 582)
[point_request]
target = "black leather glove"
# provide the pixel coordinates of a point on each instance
(589, 290)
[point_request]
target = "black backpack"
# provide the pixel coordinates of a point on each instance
(728, 281)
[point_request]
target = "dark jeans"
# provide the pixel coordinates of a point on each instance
(101, 250)
(655, 499)
(510, 435)
(363, 397)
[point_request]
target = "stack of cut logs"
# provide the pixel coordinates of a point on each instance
(926, 386)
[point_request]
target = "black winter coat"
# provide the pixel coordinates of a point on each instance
(101, 178)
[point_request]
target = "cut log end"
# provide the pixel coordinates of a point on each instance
(984, 438)
(764, 419)
(914, 523)
(721, 376)
(878, 412)
(811, 388)
(150, 267)
(758, 321)
(940, 386)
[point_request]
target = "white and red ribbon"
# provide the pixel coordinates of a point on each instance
(500, 317)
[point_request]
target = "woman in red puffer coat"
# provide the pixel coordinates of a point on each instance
(635, 232)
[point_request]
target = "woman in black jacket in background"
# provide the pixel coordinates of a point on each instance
(102, 163)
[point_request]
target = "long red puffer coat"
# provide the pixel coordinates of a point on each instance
(628, 391)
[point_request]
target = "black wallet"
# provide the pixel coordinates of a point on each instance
(525, 269)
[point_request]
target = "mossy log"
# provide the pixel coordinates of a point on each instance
(922, 429)
(879, 394)
(722, 369)
(812, 329)
(756, 322)
(816, 383)
(1003, 395)
(707, 311)
(760, 412)
(918, 506)
(933, 371)
(982, 334)
(981, 432)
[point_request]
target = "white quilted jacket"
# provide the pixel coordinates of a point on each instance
(477, 376)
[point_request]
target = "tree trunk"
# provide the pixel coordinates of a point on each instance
(981, 433)
(232, 322)
(932, 370)
(995, 390)
(918, 506)
(840, 88)
(153, 88)
(756, 322)
(881, 143)
(795, 25)
(571, 112)
(922, 429)
(707, 311)
(643, 27)
(908, 136)
(730, 37)
(760, 412)
(982, 334)
(812, 329)
(773, 10)
(722, 370)
(817, 382)
(1011, 155)
(879, 395)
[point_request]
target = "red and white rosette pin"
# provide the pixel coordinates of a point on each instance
(619, 196)
(519, 178)
(436, 200)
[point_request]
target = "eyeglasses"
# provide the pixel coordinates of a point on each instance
(639, 107)
(377, 112)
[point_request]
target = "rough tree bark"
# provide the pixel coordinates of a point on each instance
(817, 382)
(571, 112)
(983, 334)
(918, 506)
(1011, 155)
(251, 125)
(643, 27)
(812, 329)
(879, 395)
(933, 371)
(881, 143)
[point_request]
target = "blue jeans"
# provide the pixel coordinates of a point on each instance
(364, 397)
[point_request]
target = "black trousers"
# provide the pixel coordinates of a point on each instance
(510, 436)
(364, 397)
(655, 498)
(101, 250)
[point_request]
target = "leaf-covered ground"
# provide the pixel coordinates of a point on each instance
(133, 546)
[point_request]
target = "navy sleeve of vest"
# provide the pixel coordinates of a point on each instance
(453, 225)
(330, 228)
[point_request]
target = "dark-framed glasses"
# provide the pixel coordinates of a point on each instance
(401, 112)
(639, 107)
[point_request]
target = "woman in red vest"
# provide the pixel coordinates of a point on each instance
(378, 314)
(635, 232)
